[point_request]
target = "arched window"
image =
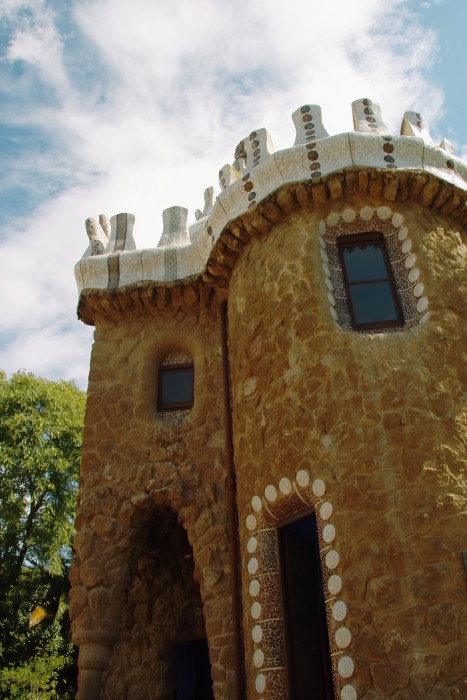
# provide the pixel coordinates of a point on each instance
(176, 383)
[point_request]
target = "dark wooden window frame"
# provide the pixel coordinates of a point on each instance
(285, 594)
(353, 241)
(164, 370)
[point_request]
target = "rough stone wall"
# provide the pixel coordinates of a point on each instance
(135, 466)
(381, 419)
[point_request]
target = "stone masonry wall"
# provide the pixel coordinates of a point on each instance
(380, 419)
(136, 470)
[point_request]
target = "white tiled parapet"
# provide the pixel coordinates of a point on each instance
(111, 260)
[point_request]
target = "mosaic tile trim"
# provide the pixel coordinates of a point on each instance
(399, 246)
(265, 621)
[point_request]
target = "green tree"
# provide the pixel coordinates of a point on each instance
(40, 441)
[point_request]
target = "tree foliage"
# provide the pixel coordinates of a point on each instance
(41, 426)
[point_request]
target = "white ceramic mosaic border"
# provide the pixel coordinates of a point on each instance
(403, 261)
(266, 610)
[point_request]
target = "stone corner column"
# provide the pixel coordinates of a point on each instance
(94, 653)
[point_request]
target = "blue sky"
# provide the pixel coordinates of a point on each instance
(112, 105)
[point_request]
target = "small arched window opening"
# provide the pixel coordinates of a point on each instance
(176, 383)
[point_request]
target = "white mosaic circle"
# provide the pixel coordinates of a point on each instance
(257, 634)
(322, 228)
(339, 611)
(256, 503)
(349, 215)
(414, 274)
(285, 486)
(407, 245)
(271, 493)
(422, 304)
(333, 312)
(348, 692)
(345, 667)
(410, 260)
(343, 637)
(324, 255)
(251, 545)
(260, 682)
(331, 299)
(334, 584)
(318, 487)
(303, 478)
(329, 533)
(424, 318)
(253, 566)
(251, 522)
(325, 510)
(254, 588)
(418, 289)
(258, 658)
(383, 213)
(402, 234)
(255, 610)
(366, 213)
(397, 220)
(329, 284)
(332, 219)
(332, 559)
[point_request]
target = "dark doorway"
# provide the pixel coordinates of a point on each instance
(193, 671)
(308, 655)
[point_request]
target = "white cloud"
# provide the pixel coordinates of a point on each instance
(144, 101)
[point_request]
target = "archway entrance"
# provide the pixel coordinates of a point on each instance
(163, 614)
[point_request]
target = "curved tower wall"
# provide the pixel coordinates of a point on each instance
(364, 429)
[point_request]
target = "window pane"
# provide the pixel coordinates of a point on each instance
(365, 262)
(373, 303)
(177, 386)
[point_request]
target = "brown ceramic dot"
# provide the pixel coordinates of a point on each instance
(248, 186)
(307, 117)
(246, 177)
(253, 135)
(257, 151)
(313, 155)
(311, 145)
(251, 196)
(251, 205)
(367, 102)
(387, 138)
(315, 166)
(450, 164)
(304, 109)
(368, 110)
(388, 148)
(389, 159)
(316, 174)
(371, 120)
(256, 160)
(255, 144)
(391, 166)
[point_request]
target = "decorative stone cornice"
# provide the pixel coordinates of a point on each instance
(260, 189)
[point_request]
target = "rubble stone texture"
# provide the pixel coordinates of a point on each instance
(369, 429)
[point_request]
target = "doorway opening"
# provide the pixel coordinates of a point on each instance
(306, 631)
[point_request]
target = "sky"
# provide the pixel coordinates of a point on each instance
(111, 106)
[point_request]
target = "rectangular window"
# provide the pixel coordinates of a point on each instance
(369, 282)
(308, 653)
(176, 387)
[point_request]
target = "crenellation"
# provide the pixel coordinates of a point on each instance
(367, 117)
(308, 125)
